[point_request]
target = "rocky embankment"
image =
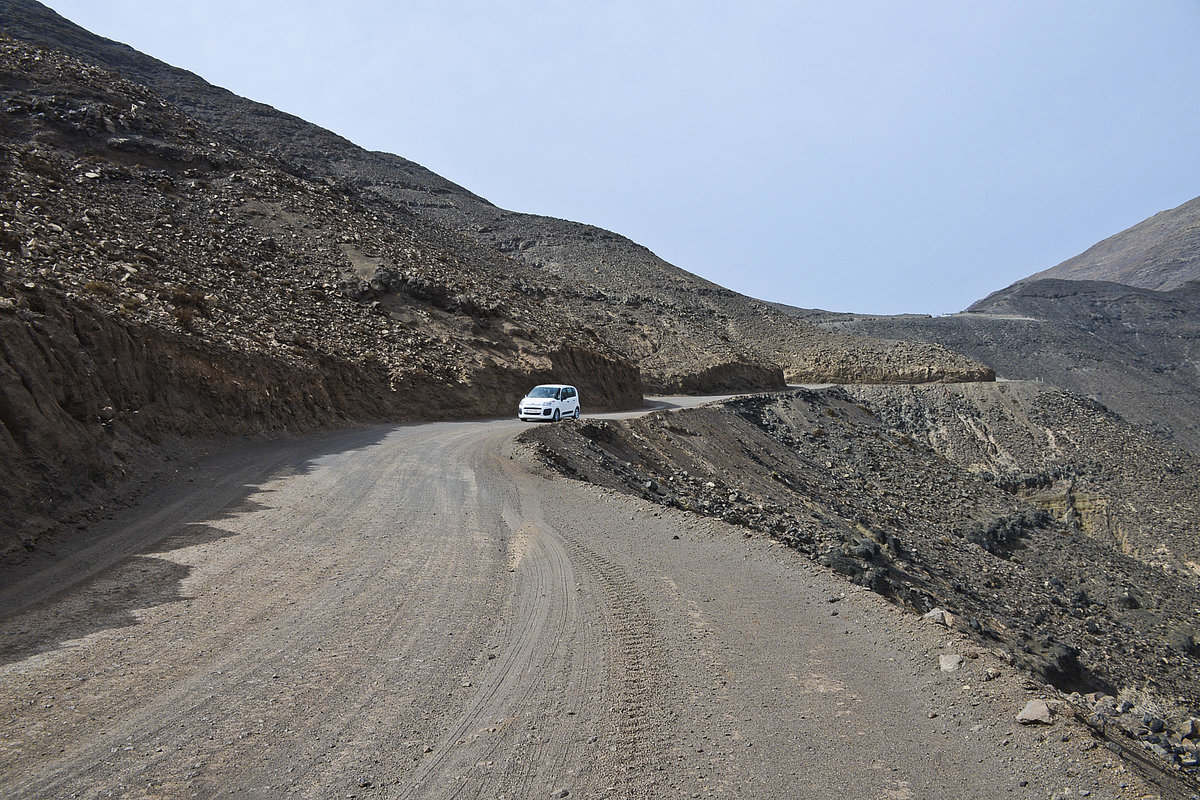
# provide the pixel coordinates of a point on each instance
(850, 479)
(1127, 488)
(860, 359)
(161, 281)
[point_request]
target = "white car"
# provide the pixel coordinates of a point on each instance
(550, 401)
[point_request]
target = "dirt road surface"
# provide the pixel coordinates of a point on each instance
(420, 612)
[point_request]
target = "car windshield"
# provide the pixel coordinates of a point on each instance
(544, 391)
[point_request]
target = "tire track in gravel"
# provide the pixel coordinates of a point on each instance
(394, 619)
(626, 647)
(634, 666)
(504, 697)
(577, 656)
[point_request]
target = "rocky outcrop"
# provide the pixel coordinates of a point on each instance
(863, 360)
(85, 399)
(730, 376)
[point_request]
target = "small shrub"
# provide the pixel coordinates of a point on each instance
(183, 298)
(39, 164)
(100, 289)
(9, 241)
(186, 318)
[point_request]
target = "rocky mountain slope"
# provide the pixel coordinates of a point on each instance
(1160, 253)
(1037, 521)
(1120, 322)
(178, 261)
(162, 280)
(683, 332)
(1135, 350)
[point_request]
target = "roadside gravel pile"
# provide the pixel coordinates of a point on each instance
(827, 473)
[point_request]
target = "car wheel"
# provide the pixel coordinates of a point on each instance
(576, 412)
(557, 415)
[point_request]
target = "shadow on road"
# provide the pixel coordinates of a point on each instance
(103, 575)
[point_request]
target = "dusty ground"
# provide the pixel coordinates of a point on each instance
(417, 611)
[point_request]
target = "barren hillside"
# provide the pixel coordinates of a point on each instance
(683, 332)
(179, 261)
(1160, 253)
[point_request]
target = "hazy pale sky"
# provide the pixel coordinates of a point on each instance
(880, 156)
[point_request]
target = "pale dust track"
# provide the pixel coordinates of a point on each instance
(410, 612)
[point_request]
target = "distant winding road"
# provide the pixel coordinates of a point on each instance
(417, 612)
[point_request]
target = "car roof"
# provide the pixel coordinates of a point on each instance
(556, 385)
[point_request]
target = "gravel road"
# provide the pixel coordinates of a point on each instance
(421, 612)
